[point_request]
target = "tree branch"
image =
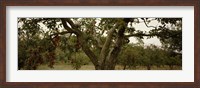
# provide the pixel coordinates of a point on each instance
(61, 33)
(115, 51)
(97, 42)
(81, 38)
(74, 29)
(148, 25)
(86, 49)
(63, 20)
(71, 23)
(139, 34)
(106, 45)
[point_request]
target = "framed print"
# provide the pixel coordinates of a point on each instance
(109, 43)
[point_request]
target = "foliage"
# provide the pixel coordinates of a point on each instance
(102, 41)
(135, 55)
(130, 55)
(79, 59)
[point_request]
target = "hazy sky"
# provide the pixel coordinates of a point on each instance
(143, 27)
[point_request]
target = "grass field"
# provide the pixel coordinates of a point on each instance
(62, 66)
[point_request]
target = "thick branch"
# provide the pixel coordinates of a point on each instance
(87, 50)
(61, 33)
(63, 20)
(106, 45)
(100, 44)
(147, 25)
(139, 34)
(74, 27)
(97, 42)
(81, 38)
(117, 48)
(71, 23)
(114, 53)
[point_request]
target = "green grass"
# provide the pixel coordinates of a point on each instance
(63, 66)
(152, 68)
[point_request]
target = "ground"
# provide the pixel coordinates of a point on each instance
(63, 66)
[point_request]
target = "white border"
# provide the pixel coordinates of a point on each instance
(184, 75)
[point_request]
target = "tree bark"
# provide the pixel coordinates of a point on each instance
(124, 67)
(105, 49)
(81, 37)
(108, 57)
(171, 67)
(112, 57)
(148, 67)
(89, 52)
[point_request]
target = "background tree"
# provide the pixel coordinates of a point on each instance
(130, 56)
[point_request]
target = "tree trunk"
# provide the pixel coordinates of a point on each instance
(108, 57)
(171, 67)
(88, 52)
(124, 67)
(148, 67)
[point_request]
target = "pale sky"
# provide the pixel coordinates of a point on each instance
(143, 27)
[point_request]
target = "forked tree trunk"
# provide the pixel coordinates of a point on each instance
(108, 58)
